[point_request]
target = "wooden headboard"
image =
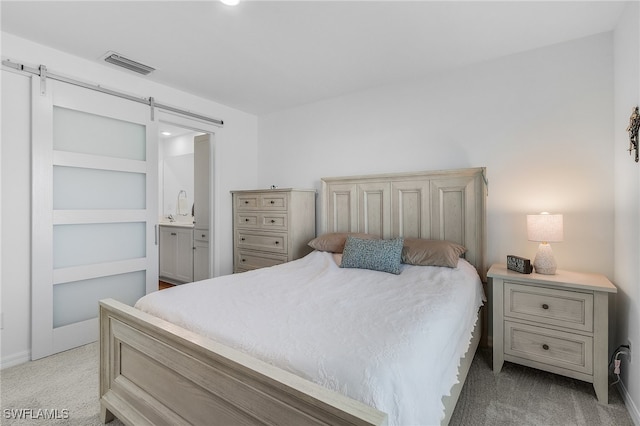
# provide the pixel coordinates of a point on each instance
(443, 205)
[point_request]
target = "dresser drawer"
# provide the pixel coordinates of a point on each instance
(246, 260)
(553, 347)
(560, 308)
(273, 242)
(276, 201)
(273, 221)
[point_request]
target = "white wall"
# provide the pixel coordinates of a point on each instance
(540, 121)
(15, 284)
(627, 203)
(235, 150)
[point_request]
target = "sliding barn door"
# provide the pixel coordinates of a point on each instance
(94, 210)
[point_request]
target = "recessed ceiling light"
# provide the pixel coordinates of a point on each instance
(230, 2)
(166, 133)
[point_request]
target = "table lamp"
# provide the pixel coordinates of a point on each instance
(545, 228)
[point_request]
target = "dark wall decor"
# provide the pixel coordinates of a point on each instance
(634, 124)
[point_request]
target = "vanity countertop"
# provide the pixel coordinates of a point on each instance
(177, 224)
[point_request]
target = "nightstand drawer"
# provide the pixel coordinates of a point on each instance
(553, 347)
(560, 308)
(272, 242)
(247, 260)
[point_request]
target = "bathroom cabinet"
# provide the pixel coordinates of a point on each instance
(176, 254)
(202, 190)
(200, 254)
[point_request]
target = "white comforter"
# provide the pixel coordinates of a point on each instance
(393, 342)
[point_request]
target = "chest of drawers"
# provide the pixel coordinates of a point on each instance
(557, 323)
(271, 226)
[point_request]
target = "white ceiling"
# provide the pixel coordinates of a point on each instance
(264, 56)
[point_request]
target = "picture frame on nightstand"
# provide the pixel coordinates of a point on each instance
(519, 264)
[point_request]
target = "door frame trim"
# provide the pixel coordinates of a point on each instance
(200, 126)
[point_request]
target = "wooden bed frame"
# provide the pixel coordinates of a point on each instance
(155, 373)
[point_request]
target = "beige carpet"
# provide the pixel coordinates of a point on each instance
(66, 385)
(65, 381)
(526, 396)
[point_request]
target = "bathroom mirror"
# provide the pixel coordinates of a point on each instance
(177, 177)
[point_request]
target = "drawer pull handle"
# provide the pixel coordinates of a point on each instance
(277, 242)
(242, 239)
(244, 260)
(273, 221)
(272, 202)
(204, 235)
(173, 233)
(545, 347)
(246, 220)
(246, 202)
(545, 306)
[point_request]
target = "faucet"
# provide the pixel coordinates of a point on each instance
(171, 218)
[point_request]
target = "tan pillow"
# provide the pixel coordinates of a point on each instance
(334, 242)
(417, 251)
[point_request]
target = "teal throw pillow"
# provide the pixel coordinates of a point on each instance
(377, 255)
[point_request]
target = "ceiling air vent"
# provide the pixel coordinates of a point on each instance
(121, 61)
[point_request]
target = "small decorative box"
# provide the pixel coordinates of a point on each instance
(519, 264)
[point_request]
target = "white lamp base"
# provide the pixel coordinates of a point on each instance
(545, 263)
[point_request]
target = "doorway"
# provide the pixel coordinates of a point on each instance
(186, 195)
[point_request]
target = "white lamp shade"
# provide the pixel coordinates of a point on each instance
(545, 227)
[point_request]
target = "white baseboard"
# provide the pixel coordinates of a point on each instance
(628, 402)
(15, 359)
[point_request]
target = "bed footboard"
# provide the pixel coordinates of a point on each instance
(155, 373)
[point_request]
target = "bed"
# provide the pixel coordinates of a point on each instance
(177, 371)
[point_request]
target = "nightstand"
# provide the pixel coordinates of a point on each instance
(557, 323)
